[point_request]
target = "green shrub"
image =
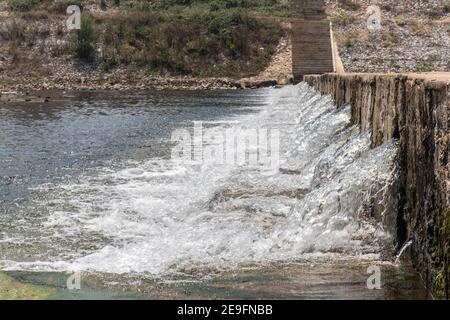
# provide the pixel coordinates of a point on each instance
(435, 13)
(60, 6)
(189, 40)
(261, 7)
(386, 7)
(447, 8)
(23, 5)
(427, 64)
(349, 43)
(350, 5)
(85, 39)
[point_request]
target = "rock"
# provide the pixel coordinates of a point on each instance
(267, 83)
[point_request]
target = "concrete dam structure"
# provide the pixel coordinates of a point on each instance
(312, 45)
(415, 110)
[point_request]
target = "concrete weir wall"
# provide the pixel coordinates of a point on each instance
(416, 112)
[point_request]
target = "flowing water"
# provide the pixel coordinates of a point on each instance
(89, 183)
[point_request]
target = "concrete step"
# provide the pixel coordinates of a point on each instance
(311, 48)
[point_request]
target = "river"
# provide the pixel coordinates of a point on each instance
(89, 185)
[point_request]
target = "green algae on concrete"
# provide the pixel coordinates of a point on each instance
(11, 289)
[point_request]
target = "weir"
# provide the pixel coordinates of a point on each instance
(157, 217)
(411, 108)
(348, 182)
(415, 109)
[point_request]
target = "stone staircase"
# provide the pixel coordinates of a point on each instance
(312, 51)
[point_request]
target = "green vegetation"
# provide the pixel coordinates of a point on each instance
(427, 65)
(437, 12)
(351, 5)
(23, 5)
(386, 7)
(194, 41)
(348, 43)
(84, 41)
(447, 8)
(10, 289)
(260, 7)
(202, 38)
(281, 8)
(60, 6)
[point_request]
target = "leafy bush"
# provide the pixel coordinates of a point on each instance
(23, 5)
(447, 7)
(192, 40)
(85, 39)
(60, 6)
(350, 5)
(262, 7)
(349, 43)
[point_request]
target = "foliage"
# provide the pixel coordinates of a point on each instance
(84, 41)
(60, 6)
(23, 5)
(351, 5)
(189, 40)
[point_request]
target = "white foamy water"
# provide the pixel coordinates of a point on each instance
(157, 217)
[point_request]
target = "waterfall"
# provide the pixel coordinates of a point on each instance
(160, 217)
(402, 251)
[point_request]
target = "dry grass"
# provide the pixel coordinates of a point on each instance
(419, 27)
(200, 43)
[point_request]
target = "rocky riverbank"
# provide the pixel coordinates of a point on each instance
(278, 72)
(126, 47)
(123, 83)
(48, 90)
